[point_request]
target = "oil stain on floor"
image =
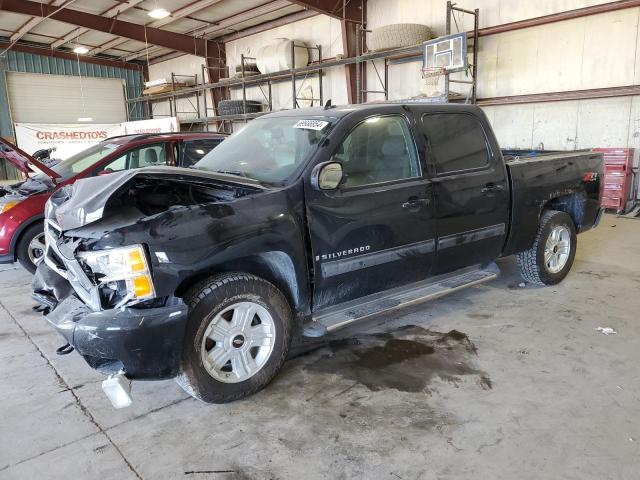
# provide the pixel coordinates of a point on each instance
(407, 359)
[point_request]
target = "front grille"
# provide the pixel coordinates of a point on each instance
(53, 234)
(68, 267)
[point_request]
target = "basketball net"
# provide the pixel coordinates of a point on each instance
(432, 77)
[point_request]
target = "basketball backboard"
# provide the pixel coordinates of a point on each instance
(448, 52)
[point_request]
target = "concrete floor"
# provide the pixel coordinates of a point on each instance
(532, 391)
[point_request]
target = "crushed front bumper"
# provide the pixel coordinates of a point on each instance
(145, 343)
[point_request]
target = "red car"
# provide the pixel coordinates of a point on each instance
(22, 204)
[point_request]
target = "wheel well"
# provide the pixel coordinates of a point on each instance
(572, 204)
(18, 238)
(274, 267)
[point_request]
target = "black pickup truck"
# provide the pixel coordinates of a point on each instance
(302, 222)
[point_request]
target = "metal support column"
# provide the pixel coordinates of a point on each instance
(320, 72)
(386, 79)
(204, 98)
(447, 32)
(359, 33)
(474, 68)
(244, 87)
(294, 93)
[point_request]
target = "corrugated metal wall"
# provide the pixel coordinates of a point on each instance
(31, 63)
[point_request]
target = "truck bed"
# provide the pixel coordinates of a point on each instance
(537, 177)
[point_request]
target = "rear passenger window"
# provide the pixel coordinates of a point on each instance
(194, 150)
(457, 142)
(150, 156)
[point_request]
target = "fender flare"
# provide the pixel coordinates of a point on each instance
(275, 266)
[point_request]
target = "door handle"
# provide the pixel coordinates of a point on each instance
(492, 187)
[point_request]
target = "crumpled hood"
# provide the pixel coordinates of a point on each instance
(31, 186)
(84, 202)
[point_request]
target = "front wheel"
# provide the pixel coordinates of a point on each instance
(237, 337)
(550, 258)
(30, 248)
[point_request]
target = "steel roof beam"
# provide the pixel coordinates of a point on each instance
(225, 23)
(132, 31)
(184, 12)
(106, 46)
(178, 14)
(32, 23)
(340, 9)
(269, 25)
(112, 12)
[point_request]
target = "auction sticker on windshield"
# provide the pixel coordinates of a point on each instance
(311, 124)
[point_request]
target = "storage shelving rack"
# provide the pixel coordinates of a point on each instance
(316, 67)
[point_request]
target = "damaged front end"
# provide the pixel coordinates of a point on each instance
(97, 290)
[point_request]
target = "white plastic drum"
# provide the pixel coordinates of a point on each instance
(265, 59)
(277, 56)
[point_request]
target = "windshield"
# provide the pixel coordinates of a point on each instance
(84, 159)
(269, 150)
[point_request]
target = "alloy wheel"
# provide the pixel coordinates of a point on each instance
(36, 249)
(238, 342)
(557, 248)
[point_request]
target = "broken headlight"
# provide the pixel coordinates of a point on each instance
(123, 268)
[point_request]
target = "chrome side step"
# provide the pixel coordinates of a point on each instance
(346, 313)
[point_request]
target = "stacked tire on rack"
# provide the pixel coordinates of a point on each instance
(238, 107)
(398, 35)
(250, 69)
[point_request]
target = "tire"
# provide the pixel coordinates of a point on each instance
(533, 267)
(250, 69)
(200, 375)
(26, 244)
(236, 107)
(398, 35)
(249, 73)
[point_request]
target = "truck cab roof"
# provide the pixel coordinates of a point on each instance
(374, 108)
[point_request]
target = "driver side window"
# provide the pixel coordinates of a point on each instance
(116, 165)
(380, 149)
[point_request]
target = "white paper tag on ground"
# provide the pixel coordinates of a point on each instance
(311, 124)
(606, 330)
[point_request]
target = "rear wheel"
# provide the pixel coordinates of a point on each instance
(237, 337)
(30, 248)
(550, 258)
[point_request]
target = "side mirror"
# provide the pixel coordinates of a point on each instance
(327, 176)
(104, 172)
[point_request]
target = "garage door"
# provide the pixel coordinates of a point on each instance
(37, 98)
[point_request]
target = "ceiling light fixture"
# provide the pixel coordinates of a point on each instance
(159, 13)
(81, 50)
(85, 119)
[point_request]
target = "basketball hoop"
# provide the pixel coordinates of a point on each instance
(442, 56)
(431, 77)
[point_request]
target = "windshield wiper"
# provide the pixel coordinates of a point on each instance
(237, 173)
